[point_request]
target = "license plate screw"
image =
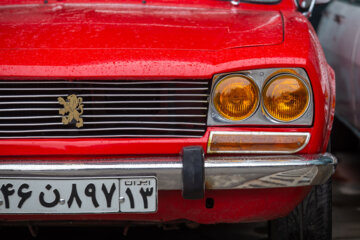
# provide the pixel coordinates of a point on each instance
(62, 201)
(121, 199)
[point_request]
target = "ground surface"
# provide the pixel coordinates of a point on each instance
(346, 219)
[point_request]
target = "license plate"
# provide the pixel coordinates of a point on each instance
(137, 194)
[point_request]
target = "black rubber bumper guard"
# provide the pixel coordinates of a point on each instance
(193, 173)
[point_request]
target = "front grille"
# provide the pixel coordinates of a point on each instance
(171, 108)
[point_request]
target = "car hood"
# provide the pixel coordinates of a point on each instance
(130, 26)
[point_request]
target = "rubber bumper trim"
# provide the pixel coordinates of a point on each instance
(193, 173)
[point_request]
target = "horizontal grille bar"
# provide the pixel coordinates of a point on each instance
(106, 95)
(109, 82)
(107, 116)
(109, 122)
(108, 109)
(102, 129)
(108, 102)
(107, 136)
(118, 109)
(104, 89)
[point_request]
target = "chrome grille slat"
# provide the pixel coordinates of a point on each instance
(106, 116)
(27, 109)
(103, 89)
(106, 95)
(107, 136)
(109, 102)
(117, 109)
(111, 122)
(109, 82)
(29, 117)
(101, 129)
(144, 115)
(104, 108)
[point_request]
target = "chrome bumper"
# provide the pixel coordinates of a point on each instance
(230, 172)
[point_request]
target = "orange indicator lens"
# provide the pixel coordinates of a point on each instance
(259, 142)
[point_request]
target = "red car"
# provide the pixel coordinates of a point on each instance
(201, 111)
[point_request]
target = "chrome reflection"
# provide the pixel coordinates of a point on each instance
(232, 172)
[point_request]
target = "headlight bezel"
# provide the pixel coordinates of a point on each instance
(260, 117)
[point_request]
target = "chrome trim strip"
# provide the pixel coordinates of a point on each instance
(104, 136)
(109, 102)
(110, 122)
(232, 172)
(147, 115)
(106, 95)
(102, 89)
(149, 82)
(107, 116)
(104, 108)
(32, 117)
(28, 109)
(29, 102)
(104, 129)
(149, 108)
(306, 134)
(150, 101)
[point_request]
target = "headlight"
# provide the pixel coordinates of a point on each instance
(285, 97)
(236, 97)
(284, 94)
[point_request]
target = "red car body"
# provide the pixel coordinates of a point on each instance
(162, 40)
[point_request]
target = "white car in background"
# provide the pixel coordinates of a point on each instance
(339, 34)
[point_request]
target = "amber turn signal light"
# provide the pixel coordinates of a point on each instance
(285, 97)
(236, 97)
(257, 142)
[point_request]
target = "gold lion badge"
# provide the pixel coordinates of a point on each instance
(73, 107)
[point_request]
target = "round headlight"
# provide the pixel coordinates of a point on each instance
(285, 97)
(236, 97)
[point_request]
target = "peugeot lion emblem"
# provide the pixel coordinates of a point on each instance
(73, 109)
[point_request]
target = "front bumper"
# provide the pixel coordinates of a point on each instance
(225, 172)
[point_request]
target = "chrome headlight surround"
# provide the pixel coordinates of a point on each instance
(260, 116)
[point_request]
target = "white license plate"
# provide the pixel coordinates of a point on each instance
(136, 194)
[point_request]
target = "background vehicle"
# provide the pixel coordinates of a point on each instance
(165, 111)
(339, 34)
